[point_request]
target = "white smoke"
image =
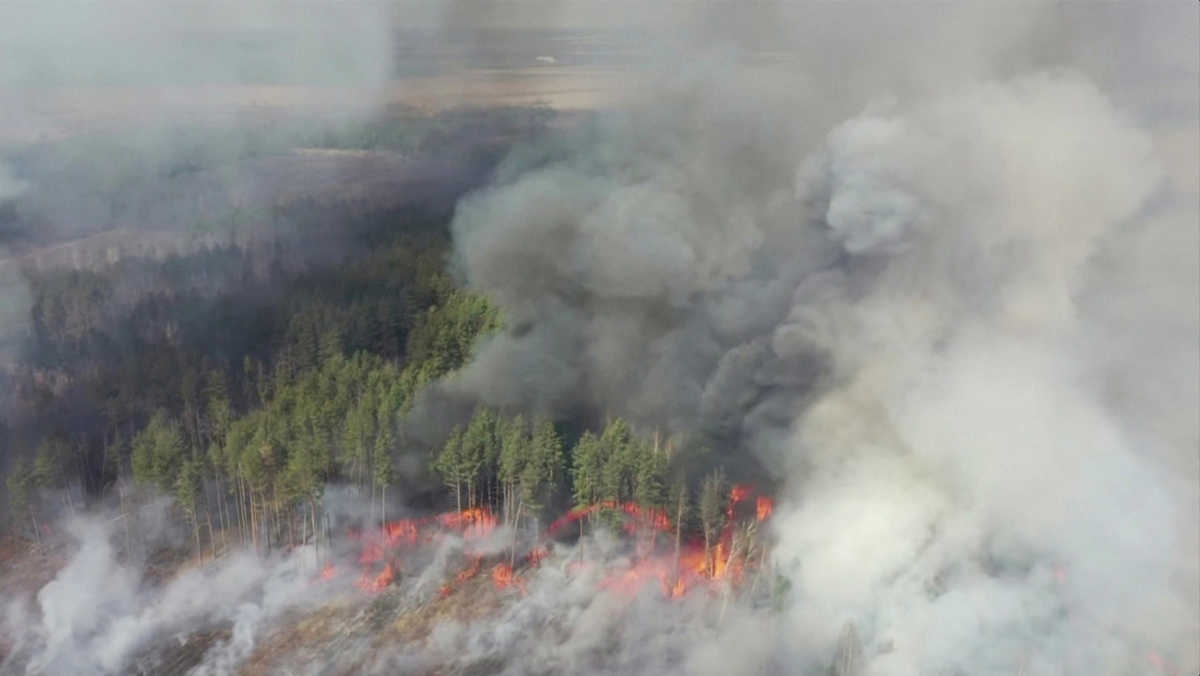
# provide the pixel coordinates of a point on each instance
(974, 484)
(100, 615)
(957, 324)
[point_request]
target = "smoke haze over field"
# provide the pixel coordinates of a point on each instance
(934, 269)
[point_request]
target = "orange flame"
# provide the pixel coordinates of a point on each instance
(405, 529)
(680, 588)
(655, 518)
(677, 573)
(503, 577)
(474, 523)
(537, 555)
(380, 582)
(720, 559)
(764, 508)
(463, 575)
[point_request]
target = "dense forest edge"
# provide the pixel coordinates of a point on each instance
(243, 379)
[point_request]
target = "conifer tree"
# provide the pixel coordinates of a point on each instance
(545, 467)
(450, 465)
(587, 469)
(712, 512)
(514, 453)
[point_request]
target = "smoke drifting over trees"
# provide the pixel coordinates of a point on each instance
(930, 273)
(902, 320)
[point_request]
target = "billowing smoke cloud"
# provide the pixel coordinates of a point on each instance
(99, 615)
(949, 302)
(905, 317)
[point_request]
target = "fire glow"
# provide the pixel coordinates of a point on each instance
(674, 567)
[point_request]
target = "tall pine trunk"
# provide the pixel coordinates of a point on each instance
(512, 552)
(253, 523)
(678, 534)
(212, 538)
(708, 567)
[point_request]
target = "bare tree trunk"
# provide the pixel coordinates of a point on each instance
(222, 513)
(241, 509)
(237, 505)
(253, 523)
(512, 551)
(276, 529)
(247, 516)
(762, 563)
(735, 550)
(383, 507)
(316, 533)
(212, 538)
(124, 515)
(678, 537)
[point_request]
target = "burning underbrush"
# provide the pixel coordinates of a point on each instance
(660, 553)
(373, 595)
(425, 595)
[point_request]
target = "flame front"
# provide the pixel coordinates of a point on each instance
(676, 567)
(765, 507)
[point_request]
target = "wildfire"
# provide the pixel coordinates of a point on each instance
(720, 561)
(537, 555)
(656, 560)
(463, 576)
(764, 507)
(655, 518)
(696, 566)
(474, 523)
(679, 589)
(381, 545)
(404, 530)
(503, 578)
(379, 582)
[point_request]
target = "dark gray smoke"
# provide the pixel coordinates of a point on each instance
(916, 302)
(935, 269)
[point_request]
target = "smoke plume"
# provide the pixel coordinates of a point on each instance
(919, 317)
(935, 273)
